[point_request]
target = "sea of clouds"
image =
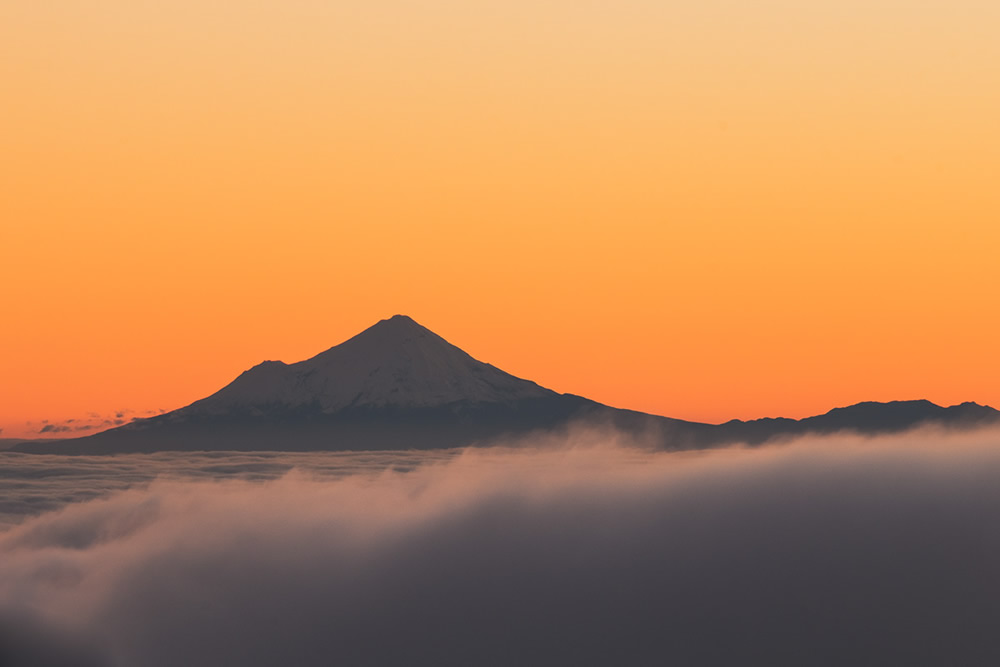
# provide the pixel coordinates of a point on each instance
(577, 551)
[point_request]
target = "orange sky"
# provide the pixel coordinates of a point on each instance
(706, 209)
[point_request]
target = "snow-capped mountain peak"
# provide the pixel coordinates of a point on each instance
(396, 362)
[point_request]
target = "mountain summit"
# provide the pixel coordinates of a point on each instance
(395, 362)
(398, 385)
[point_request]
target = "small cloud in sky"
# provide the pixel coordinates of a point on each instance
(54, 428)
(90, 421)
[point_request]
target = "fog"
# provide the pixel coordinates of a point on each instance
(573, 551)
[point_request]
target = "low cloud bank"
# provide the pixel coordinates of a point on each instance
(824, 552)
(34, 484)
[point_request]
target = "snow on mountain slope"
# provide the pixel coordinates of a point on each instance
(396, 362)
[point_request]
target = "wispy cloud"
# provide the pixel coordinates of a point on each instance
(91, 422)
(55, 428)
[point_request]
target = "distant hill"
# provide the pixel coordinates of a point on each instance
(398, 385)
(869, 418)
(11, 443)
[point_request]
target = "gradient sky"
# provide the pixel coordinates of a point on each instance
(706, 209)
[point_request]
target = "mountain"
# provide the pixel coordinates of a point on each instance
(868, 418)
(398, 385)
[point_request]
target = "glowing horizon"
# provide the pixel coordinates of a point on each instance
(702, 210)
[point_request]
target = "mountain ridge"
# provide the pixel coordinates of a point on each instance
(399, 385)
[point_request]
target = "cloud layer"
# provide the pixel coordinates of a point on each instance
(832, 552)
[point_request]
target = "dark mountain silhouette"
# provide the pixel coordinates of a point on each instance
(398, 385)
(868, 418)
